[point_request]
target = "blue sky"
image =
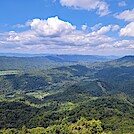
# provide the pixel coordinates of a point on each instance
(101, 27)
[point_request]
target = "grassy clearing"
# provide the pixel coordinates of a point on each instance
(38, 95)
(8, 72)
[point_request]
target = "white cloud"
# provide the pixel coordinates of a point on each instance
(57, 36)
(124, 44)
(51, 27)
(56, 31)
(128, 30)
(131, 46)
(96, 27)
(104, 29)
(22, 25)
(122, 4)
(99, 5)
(127, 15)
(84, 27)
(115, 27)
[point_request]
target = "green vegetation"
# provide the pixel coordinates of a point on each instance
(82, 126)
(69, 99)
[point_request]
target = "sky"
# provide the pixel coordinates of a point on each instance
(89, 27)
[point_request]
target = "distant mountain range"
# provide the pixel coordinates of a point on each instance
(21, 55)
(15, 61)
(80, 58)
(63, 57)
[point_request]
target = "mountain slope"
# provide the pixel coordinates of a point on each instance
(124, 61)
(25, 63)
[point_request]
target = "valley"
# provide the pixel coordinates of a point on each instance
(44, 95)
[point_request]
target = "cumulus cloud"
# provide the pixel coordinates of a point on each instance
(96, 27)
(104, 29)
(53, 30)
(115, 27)
(57, 36)
(122, 4)
(22, 25)
(127, 15)
(84, 27)
(128, 30)
(99, 5)
(124, 44)
(51, 27)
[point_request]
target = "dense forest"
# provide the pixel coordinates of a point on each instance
(53, 95)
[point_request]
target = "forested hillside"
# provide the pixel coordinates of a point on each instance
(14, 61)
(66, 98)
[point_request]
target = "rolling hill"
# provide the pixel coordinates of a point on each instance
(62, 94)
(41, 62)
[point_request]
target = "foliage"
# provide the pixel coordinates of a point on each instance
(74, 98)
(82, 126)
